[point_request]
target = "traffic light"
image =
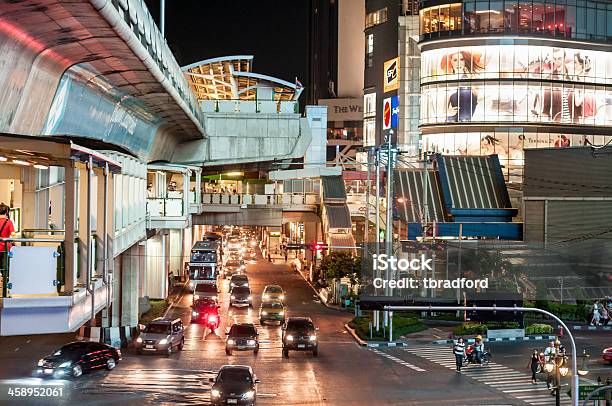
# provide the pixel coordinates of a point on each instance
(317, 246)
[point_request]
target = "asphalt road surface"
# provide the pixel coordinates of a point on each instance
(343, 374)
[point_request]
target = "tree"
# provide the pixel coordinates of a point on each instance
(339, 265)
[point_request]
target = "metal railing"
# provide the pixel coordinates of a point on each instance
(7, 254)
(165, 207)
(285, 199)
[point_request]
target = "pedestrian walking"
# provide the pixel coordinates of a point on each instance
(534, 363)
(595, 319)
(605, 315)
(286, 255)
(459, 351)
(7, 230)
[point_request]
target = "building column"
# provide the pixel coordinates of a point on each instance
(115, 308)
(129, 287)
(69, 228)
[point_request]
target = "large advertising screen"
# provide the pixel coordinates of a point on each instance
(516, 62)
(514, 101)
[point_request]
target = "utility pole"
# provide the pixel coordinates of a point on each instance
(162, 17)
(366, 233)
(377, 223)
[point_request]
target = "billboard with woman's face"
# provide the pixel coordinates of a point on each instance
(516, 62)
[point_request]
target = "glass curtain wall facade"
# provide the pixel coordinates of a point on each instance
(531, 75)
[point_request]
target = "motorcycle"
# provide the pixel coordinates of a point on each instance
(470, 356)
(212, 321)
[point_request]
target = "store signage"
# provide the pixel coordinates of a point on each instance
(387, 113)
(343, 109)
(394, 111)
(391, 72)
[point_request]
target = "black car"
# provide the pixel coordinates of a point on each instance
(239, 280)
(78, 357)
(234, 385)
(300, 334)
(242, 337)
(240, 296)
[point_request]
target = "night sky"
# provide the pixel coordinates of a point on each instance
(274, 31)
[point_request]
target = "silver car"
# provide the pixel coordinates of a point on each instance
(161, 335)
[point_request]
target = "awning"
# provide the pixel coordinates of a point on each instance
(409, 186)
(338, 216)
(333, 189)
(341, 242)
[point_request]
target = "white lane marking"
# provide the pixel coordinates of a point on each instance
(16, 349)
(397, 360)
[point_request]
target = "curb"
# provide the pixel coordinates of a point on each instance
(323, 302)
(493, 340)
(592, 328)
(373, 344)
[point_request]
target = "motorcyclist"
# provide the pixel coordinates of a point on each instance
(549, 356)
(206, 310)
(478, 348)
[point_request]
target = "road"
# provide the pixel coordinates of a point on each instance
(343, 374)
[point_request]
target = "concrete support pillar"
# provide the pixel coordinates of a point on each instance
(311, 234)
(129, 286)
(29, 213)
(69, 227)
(115, 308)
(157, 266)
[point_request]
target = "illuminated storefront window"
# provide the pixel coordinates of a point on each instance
(557, 18)
(376, 17)
(507, 144)
(446, 17)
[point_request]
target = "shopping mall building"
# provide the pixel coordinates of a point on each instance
(501, 76)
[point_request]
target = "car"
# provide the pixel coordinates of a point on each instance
(300, 334)
(161, 335)
(233, 267)
(272, 310)
(78, 357)
(239, 280)
(205, 290)
(240, 297)
(273, 292)
(607, 355)
(242, 337)
(202, 308)
(234, 385)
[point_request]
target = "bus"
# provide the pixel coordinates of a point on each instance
(204, 263)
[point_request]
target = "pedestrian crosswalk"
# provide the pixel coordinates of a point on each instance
(176, 386)
(398, 360)
(507, 380)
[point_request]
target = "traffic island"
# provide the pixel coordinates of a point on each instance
(359, 328)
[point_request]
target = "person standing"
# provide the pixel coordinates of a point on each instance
(534, 363)
(7, 230)
(550, 354)
(459, 351)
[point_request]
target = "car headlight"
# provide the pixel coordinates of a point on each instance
(250, 297)
(282, 297)
(232, 297)
(65, 364)
(230, 342)
(163, 341)
(232, 285)
(264, 313)
(266, 297)
(215, 393)
(41, 362)
(313, 338)
(248, 395)
(191, 285)
(139, 339)
(195, 314)
(289, 337)
(250, 342)
(281, 313)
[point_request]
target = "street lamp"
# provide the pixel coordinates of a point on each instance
(583, 371)
(557, 363)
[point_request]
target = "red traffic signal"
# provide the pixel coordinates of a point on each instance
(315, 246)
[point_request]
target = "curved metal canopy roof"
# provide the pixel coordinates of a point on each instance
(231, 78)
